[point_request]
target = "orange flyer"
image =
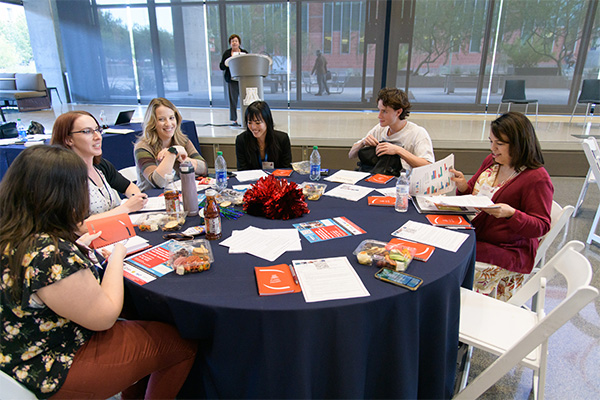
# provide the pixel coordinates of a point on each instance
(282, 172)
(388, 201)
(114, 229)
(379, 178)
(456, 221)
(423, 251)
(277, 279)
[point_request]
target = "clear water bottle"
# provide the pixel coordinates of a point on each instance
(22, 132)
(315, 164)
(189, 190)
(402, 189)
(103, 119)
(220, 171)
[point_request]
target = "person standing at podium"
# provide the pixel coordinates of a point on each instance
(233, 87)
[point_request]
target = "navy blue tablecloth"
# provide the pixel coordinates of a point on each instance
(116, 148)
(393, 344)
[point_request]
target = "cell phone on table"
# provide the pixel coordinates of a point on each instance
(402, 279)
(324, 172)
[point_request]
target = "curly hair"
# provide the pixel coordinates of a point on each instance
(395, 98)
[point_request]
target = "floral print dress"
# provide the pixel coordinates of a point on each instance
(37, 346)
(493, 280)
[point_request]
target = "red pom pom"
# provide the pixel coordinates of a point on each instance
(275, 199)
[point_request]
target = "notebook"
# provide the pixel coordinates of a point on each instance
(114, 229)
(124, 117)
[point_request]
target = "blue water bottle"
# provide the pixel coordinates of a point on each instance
(315, 164)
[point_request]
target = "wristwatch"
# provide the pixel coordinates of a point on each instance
(173, 150)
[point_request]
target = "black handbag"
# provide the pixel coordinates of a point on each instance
(35, 128)
(386, 164)
(328, 75)
(8, 130)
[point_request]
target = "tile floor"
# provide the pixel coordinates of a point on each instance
(574, 350)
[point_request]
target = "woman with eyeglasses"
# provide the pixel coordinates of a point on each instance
(60, 335)
(81, 132)
(163, 146)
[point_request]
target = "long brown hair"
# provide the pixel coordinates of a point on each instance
(517, 130)
(150, 135)
(64, 125)
(45, 190)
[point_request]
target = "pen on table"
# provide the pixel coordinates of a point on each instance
(294, 274)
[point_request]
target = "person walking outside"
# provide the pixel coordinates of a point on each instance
(320, 68)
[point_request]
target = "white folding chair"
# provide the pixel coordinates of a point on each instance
(589, 178)
(12, 389)
(592, 153)
(559, 218)
(519, 335)
(129, 173)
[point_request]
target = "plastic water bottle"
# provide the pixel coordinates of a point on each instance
(189, 190)
(220, 171)
(102, 119)
(402, 189)
(315, 164)
(22, 132)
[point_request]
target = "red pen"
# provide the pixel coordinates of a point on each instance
(294, 274)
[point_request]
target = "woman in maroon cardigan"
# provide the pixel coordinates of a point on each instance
(514, 178)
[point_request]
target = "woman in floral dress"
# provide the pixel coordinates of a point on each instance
(60, 335)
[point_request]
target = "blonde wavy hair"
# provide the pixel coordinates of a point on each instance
(149, 133)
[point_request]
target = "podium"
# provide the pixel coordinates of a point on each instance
(249, 70)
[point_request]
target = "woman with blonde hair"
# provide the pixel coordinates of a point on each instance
(163, 146)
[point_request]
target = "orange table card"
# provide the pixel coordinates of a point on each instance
(387, 201)
(379, 178)
(114, 229)
(277, 279)
(451, 221)
(282, 172)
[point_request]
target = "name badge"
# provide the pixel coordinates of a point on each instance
(268, 165)
(486, 190)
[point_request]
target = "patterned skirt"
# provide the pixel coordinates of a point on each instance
(496, 282)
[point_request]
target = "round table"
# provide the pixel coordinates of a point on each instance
(394, 343)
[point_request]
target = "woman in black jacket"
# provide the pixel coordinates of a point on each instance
(260, 146)
(233, 86)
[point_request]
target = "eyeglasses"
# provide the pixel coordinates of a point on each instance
(90, 131)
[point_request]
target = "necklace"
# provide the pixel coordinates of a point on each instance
(514, 173)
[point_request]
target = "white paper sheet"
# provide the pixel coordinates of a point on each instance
(349, 192)
(251, 175)
(329, 279)
(465, 201)
(268, 244)
(117, 130)
(154, 204)
(439, 237)
(433, 178)
(390, 191)
(346, 176)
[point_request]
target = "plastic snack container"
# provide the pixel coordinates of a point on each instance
(312, 190)
(190, 256)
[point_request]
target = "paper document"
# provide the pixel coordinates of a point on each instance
(349, 192)
(119, 131)
(345, 176)
(465, 201)
(426, 204)
(251, 175)
(268, 244)
(390, 191)
(438, 237)
(329, 279)
(433, 178)
(153, 204)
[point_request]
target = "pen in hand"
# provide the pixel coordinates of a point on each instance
(294, 274)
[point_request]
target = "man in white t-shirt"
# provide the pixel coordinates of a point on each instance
(394, 135)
